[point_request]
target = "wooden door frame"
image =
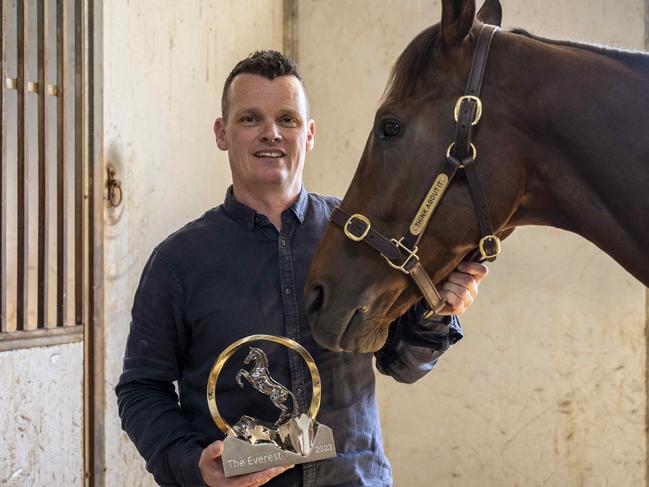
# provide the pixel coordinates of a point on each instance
(94, 437)
(290, 37)
(646, 46)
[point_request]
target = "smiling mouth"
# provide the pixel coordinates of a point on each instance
(272, 154)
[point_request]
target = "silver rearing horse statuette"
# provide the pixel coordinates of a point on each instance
(260, 379)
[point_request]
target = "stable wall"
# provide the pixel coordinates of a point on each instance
(548, 386)
(164, 68)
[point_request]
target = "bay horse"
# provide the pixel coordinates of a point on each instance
(562, 140)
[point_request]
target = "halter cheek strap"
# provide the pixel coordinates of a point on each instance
(402, 254)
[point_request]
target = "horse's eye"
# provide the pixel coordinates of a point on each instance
(390, 128)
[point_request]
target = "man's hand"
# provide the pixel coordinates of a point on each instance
(211, 468)
(461, 287)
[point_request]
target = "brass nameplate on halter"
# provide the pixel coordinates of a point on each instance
(429, 204)
(251, 444)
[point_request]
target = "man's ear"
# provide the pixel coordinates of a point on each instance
(219, 133)
(491, 12)
(457, 20)
(310, 134)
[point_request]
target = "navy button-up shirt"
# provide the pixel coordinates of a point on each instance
(230, 274)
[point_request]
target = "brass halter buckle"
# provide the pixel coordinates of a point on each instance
(350, 220)
(458, 104)
(411, 254)
(493, 243)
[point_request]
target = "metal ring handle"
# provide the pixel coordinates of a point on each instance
(115, 189)
(314, 407)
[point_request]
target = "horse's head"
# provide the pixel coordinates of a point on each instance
(255, 354)
(352, 295)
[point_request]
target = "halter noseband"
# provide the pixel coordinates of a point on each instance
(401, 254)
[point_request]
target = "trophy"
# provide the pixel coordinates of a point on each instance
(296, 437)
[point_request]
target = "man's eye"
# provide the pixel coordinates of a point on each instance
(248, 119)
(390, 128)
(288, 121)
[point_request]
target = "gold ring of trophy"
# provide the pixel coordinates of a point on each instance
(228, 352)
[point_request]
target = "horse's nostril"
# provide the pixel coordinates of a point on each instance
(314, 300)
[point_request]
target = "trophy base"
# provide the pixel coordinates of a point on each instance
(240, 457)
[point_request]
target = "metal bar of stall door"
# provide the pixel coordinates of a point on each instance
(43, 206)
(22, 300)
(79, 173)
(61, 186)
(3, 169)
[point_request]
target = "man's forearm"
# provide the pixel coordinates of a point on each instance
(152, 418)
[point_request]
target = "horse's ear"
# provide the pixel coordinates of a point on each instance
(491, 12)
(457, 19)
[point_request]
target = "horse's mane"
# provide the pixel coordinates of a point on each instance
(637, 59)
(413, 61)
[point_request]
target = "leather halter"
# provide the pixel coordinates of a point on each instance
(401, 254)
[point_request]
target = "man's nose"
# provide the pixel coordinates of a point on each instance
(271, 133)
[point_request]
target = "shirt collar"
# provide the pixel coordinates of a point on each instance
(246, 215)
(301, 204)
(237, 210)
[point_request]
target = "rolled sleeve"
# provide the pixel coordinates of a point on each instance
(415, 344)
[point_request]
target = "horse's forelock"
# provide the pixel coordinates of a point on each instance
(411, 64)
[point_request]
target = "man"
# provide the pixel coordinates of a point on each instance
(239, 270)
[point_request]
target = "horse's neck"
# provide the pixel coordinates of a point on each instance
(588, 120)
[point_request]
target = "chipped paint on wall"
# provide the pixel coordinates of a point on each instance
(41, 421)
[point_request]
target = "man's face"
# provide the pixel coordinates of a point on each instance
(267, 132)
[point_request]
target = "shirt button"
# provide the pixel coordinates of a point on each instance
(287, 291)
(283, 242)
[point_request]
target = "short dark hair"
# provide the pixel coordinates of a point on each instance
(268, 63)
